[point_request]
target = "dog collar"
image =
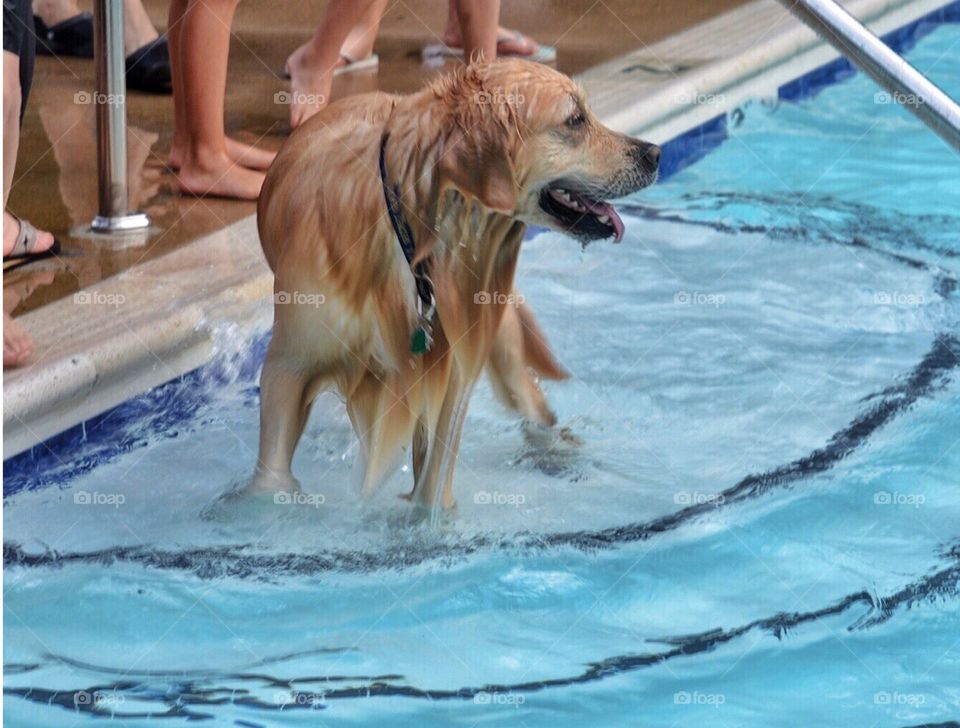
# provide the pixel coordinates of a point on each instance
(422, 337)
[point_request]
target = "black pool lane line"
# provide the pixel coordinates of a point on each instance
(196, 692)
(862, 225)
(925, 378)
(931, 374)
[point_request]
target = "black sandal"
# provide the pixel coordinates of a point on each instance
(70, 37)
(148, 67)
(24, 248)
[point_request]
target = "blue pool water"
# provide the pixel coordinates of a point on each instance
(761, 527)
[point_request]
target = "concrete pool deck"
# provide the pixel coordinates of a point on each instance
(155, 320)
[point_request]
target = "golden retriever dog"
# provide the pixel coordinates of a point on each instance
(393, 225)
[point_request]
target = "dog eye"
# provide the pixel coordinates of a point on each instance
(575, 121)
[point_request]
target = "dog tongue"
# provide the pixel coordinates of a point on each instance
(603, 208)
(606, 209)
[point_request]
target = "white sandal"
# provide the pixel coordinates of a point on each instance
(437, 53)
(351, 66)
(356, 66)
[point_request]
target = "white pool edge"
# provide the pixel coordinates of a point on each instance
(752, 51)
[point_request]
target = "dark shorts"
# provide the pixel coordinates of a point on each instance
(18, 38)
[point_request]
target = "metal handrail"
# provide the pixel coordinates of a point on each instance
(110, 99)
(907, 86)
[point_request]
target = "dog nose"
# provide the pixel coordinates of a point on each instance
(645, 155)
(653, 155)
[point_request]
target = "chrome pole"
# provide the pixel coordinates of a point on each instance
(906, 85)
(111, 108)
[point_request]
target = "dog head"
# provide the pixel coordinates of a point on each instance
(524, 143)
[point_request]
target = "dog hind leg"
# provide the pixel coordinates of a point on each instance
(519, 347)
(383, 423)
(434, 480)
(286, 395)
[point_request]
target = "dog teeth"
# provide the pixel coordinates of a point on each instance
(566, 199)
(604, 220)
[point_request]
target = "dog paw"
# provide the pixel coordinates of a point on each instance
(553, 450)
(546, 438)
(434, 516)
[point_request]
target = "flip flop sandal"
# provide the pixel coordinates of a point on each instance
(70, 37)
(23, 248)
(436, 53)
(351, 66)
(148, 68)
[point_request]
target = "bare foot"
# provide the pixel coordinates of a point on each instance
(509, 42)
(11, 228)
(309, 84)
(245, 155)
(17, 344)
(219, 176)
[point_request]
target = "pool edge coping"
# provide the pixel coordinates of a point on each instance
(173, 310)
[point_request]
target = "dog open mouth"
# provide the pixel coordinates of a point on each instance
(580, 214)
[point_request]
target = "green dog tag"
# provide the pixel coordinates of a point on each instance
(420, 341)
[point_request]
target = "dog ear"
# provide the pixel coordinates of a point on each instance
(480, 167)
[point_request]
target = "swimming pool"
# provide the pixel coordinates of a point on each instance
(760, 528)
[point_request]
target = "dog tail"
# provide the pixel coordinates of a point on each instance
(536, 350)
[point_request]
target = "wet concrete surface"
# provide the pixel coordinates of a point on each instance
(55, 185)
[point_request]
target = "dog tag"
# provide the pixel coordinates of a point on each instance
(421, 341)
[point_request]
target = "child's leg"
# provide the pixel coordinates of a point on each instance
(478, 26)
(311, 66)
(12, 100)
(178, 10)
(360, 40)
(239, 152)
(508, 42)
(137, 28)
(202, 47)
